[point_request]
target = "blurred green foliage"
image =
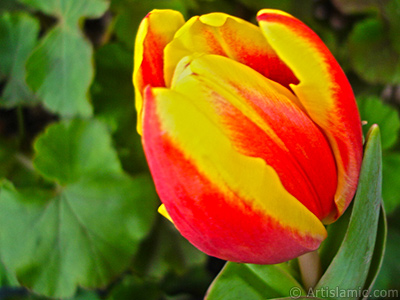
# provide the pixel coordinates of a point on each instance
(78, 213)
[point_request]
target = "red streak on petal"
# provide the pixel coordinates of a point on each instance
(306, 167)
(221, 224)
(152, 64)
(261, 59)
(343, 118)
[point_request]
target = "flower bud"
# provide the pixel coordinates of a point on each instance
(252, 134)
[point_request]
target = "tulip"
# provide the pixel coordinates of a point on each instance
(252, 134)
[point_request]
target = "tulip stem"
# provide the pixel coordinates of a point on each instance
(310, 269)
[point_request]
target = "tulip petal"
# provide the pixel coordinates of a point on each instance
(228, 203)
(264, 121)
(324, 92)
(155, 31)
(224, 35)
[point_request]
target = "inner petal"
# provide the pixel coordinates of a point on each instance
(262, 121)
(227, 36)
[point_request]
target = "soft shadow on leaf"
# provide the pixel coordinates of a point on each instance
(18, 37)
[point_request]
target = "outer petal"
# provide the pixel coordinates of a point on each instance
(224, 35)
(324, 92)
(228, 203)
(155, 31)
(261, 120)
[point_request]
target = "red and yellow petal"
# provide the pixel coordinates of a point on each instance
(224, 35)
(155, 31)
(219, 193)
(262, 120)
(324, 92)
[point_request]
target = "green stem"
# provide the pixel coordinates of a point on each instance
(310, 268)
(24, 161)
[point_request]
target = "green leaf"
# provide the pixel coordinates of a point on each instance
(371, 53)
(254, 282)
(70, 10)
(86, 231)
(391, 182)
(73, 149)
(350, 266)
(7, 279)
(374, 111)
(60, 71)
(82, 236)
(18, 37)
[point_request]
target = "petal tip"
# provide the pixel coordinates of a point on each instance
(265, 14)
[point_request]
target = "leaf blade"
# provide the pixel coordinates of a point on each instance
(349, 268)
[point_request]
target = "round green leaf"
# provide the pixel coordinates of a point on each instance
(60, 71)
(18, 37)
(73, 149)
(70, 10)
(83, 236)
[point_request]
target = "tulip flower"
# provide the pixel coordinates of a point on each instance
(251, 133)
